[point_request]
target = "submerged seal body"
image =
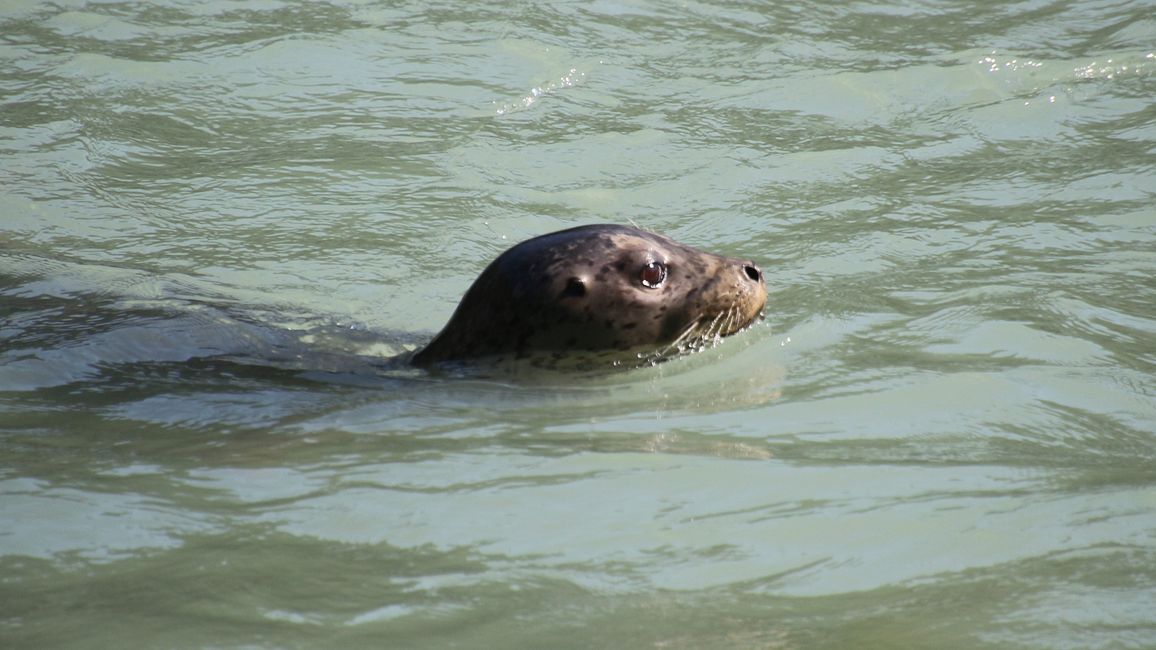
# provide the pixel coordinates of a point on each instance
(615, 291)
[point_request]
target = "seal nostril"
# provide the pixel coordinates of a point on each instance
(753, 272)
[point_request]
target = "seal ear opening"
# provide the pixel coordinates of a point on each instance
(575, 288)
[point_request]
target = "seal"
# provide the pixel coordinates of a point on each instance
(623, 294)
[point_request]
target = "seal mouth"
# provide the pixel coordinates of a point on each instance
(707, 331)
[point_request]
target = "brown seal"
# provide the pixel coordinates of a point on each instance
(623, 293)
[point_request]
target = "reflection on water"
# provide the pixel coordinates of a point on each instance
(220, 221)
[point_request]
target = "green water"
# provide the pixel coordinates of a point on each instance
(216, 217)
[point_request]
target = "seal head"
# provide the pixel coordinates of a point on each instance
(601, 289)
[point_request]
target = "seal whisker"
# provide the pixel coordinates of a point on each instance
(716, 326)
(712, 332)
(688, 335)
(728, 326)
(684, 340)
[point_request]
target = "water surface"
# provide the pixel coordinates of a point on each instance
(218, 218)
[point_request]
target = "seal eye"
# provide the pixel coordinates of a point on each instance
(653, 275)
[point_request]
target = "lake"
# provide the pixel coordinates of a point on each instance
(219, 220)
